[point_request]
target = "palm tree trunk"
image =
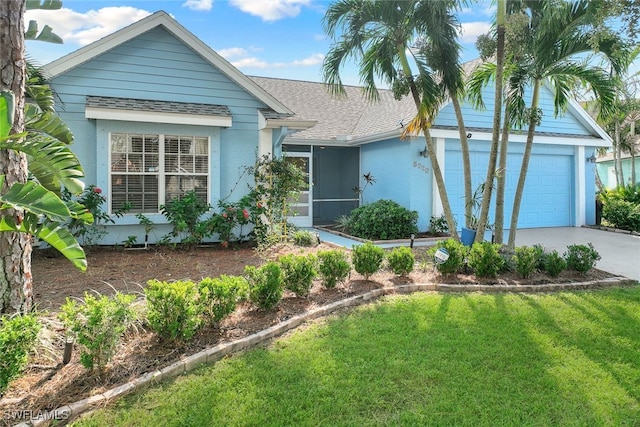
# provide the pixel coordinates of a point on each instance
(435, 164)
(618, 158)
(466, 161)
(497, 118)
(502, 179)
(525, 165)
(16, 293)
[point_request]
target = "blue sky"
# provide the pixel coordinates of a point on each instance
(271, 38)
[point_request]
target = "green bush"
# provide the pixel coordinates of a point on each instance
(485, 259)
(628, 193)
(622, 214)
(304, 238)
(457, 254)
(401, 260)
(219, 296)
(554, 263)
(173, 308)
(526, 260)
(383, 219)
(581, 258)
(367, 259)
(184, 215)
(266, 284)
(18, 336)
(97, 323)
(299, 272)
(333, 267)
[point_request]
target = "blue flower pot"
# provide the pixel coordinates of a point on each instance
(468, 236)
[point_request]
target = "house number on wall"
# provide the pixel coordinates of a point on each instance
(420, 166)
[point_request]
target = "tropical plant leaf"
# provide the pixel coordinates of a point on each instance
(54, 234)
(7, 99)
(47, 122)
(52, 162)
(34, 198)
(79, 211)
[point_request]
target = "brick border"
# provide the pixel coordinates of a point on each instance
(213, 354)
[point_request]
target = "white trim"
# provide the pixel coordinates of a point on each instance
(571, 140)
(161, 18)
(437, 208)
(580, 187)
(156, 117)
(265, 145)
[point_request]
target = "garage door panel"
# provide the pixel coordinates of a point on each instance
(548, 196)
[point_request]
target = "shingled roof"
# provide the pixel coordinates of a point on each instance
(339, 118)
(157, 106)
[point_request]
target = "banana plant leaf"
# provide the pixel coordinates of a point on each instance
(50, 161)
(47, 122)
(7, 100)
(34, 198)
(55, 234)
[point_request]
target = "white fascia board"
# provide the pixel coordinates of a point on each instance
(538, 139)
(290, 123)
(123, 35)
(156, 117)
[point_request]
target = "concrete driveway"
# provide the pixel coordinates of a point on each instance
(620, 252)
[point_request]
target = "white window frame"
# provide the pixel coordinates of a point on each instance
(160, 173)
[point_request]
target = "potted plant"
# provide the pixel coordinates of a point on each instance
(469, 230)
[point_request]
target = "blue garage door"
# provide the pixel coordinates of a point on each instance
(548, 196)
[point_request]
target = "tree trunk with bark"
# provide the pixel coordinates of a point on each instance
(16, 294)
(466, 161)
(533, 121)
(497, 119)
(502, 180)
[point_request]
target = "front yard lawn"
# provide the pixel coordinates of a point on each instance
(568, 358)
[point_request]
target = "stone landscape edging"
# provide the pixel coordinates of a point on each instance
(213, 354)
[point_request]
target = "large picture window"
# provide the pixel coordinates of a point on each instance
(148, 170)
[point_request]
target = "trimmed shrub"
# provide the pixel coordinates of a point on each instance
(553, 263)
(485, 259)
(401, 260)
(299, 272)
(457, 254)
(526, 260)
(219, 296)
(367, 259)
(173, 308)
(98, 324)
(383, 219)
(333, 267)
(304, 238)
(266, 284)
(581, 258)
(622, 214)
(18, 336)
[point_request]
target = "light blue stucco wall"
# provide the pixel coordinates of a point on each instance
(157, 66)
(401, 175)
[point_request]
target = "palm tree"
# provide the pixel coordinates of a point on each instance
(560, 33)
(379, 33)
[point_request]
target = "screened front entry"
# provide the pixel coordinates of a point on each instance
(334, 173)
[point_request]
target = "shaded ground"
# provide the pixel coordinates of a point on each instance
(48, 384)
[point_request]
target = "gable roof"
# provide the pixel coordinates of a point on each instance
(161, 18)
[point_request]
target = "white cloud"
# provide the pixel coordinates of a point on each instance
(199, 5)
(84, 28)
(233, 52)
(471, 30)
(240, 58)
(271, 10)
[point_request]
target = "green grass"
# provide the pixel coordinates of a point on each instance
(565, 359)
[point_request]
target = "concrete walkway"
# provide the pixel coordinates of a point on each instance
(620, 252)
